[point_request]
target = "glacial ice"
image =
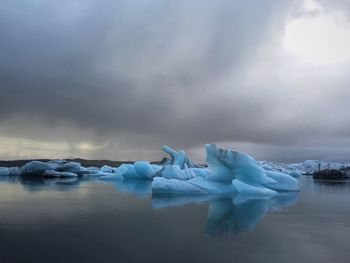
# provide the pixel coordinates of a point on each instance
(306, 167)
(51, 174)
(175, 172)
(4, 171)
(138, 170)
(55, 174)
(35, 168)
(178, 158)
(146, 170)
(106, 169)
(244, 188)
(282, 182)
(228, 172)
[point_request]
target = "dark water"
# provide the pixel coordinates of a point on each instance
(88, 221)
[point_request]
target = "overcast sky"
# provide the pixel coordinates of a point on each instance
(118, 79)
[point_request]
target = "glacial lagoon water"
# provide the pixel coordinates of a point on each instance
(89, 221)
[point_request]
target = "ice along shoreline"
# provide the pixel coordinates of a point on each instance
(227, 171)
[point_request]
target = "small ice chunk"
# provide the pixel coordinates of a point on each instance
(35, 168)
(4, 171)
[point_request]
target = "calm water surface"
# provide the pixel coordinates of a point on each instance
(89, 221)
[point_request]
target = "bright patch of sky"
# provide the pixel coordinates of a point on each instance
(319, 37)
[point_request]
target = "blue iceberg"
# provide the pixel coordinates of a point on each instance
(228, 172)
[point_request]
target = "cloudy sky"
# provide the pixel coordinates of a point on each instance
(117, 79)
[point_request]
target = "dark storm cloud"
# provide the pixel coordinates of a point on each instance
(167, 71)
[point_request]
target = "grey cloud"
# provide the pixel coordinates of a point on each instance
(149, 72)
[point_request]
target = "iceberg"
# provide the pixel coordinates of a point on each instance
(178, 158)
(138, 170)
(35, 168)
(9, 171)
(307, 167)
(56, 168)
(146, 170)
(71, 167)
(4, 171)
(107, 169)
(228, 172)
(180, 166)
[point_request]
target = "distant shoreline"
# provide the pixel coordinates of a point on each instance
(83, 162)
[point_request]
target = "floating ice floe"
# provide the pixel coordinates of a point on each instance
(4, 171)
(307, 167)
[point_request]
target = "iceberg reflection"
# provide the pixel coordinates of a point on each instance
(227, 214)
(136, 187)
(230, 215)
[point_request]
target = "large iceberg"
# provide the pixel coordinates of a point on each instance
(228, 172)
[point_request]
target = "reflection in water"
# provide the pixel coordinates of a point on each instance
(340, 184)
(36, 184)
(93, 222)
(234, 215)
(133, 186)
(227, 214)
